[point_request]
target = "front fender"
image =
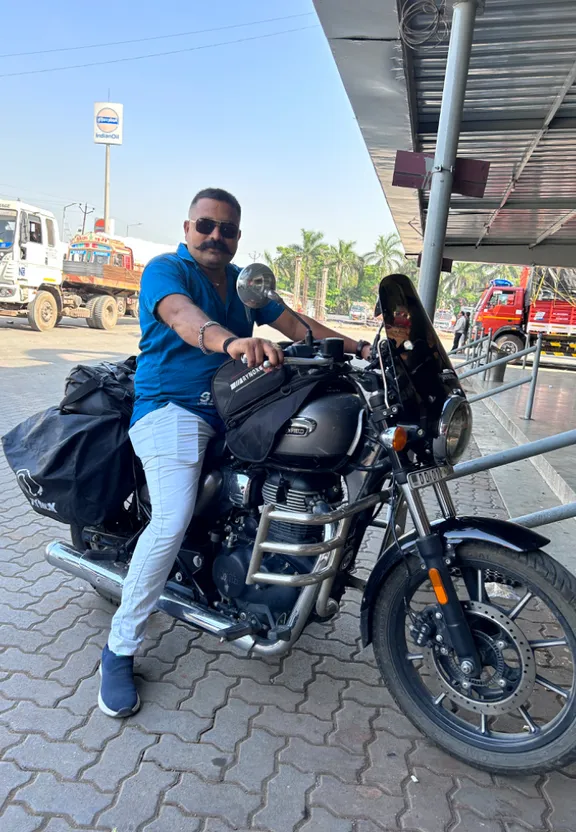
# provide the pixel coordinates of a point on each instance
(453, 531)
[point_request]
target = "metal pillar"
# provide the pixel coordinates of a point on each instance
(107, 192)
(457, 65)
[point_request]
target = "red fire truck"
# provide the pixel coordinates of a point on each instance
(544, 302)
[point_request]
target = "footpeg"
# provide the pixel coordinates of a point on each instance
(236, 631)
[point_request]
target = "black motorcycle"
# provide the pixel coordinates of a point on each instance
(473, 626)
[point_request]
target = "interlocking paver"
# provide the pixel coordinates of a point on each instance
(560, 792)
(230, 726)
(225, 800)
(322, 696)
(63, 758)
(293, 725)
(353, 729)
(352, 801)
(209, 694)
(313, 740)
(158, 720)
(428, 803)
(48, 795)
(10, 779)
(16, 819)
(172, 754)
(323, 759)
(285, 800)
(139, 799)
(320, 820)
(499, 804)
(172, 819)
(262, 694)
(26, 717)
(256, 758)
(120, 758)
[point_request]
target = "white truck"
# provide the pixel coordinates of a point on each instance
(96, 280)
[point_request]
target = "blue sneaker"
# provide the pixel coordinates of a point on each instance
(118, 696)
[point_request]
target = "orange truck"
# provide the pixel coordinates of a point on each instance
(544, 303)
(101, 278)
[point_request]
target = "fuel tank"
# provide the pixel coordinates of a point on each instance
(325, 430)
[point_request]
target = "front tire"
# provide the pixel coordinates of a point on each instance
(500, 742)
(43, 312)
(510, 344)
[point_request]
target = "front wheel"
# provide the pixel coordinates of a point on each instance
(519, 715)
(510, 344)
(43, 312)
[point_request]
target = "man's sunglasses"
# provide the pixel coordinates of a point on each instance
(229, 230)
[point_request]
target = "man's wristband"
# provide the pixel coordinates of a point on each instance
(227, 343)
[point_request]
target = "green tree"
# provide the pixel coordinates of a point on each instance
(346, 262)
(387, 254)
(311, 250)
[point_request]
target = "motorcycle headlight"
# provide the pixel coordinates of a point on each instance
(454, 431)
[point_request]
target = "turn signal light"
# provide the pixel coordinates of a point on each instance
(399, 439)
(438, 586)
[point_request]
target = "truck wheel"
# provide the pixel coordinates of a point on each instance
(121, 304)
(43, 312)
(103, 313)
(134, 310)
(509, 344)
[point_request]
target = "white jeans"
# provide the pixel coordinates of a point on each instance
(171, 442)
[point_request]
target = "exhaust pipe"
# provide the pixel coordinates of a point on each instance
(109, 578)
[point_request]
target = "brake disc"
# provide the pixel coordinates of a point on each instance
(501, 687)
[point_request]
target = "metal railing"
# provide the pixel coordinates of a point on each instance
(481, 363)
(520, 452)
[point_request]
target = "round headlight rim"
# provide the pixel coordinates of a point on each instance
(440, 445)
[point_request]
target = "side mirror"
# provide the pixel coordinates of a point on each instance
(256, 286)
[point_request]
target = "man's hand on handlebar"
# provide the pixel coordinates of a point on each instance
(256, 350)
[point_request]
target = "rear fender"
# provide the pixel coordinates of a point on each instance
(453, 531)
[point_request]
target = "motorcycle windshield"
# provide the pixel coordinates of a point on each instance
(424, 375)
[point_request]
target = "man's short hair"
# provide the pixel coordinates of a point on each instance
(220, 195)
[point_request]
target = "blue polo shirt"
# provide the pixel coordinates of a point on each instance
(169, 369)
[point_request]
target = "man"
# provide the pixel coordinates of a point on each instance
(466, 328)
(192, 320)
(459, 329)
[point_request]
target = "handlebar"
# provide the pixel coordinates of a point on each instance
(297, 362)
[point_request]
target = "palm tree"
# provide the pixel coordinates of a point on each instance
(310, 249)
(387, 254)
(346, 262)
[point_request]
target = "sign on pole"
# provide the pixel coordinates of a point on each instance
(108, 123)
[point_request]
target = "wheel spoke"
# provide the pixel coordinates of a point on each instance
(551, 686)
(520, 605)
(484, 724)
(415, 657)
(540, 644)
(480, 585)
(532, 727)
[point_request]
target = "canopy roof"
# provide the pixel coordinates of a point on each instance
(519, 114)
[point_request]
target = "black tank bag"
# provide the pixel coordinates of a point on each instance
(255, 405)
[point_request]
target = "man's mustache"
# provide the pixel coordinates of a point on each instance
(217, 244)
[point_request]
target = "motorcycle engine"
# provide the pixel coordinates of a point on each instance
(266, 605)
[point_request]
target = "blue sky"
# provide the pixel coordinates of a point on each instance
(266, 118)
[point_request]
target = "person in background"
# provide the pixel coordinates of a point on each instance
(459, 330)
(467, 328)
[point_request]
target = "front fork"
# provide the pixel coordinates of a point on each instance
(436, 561)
